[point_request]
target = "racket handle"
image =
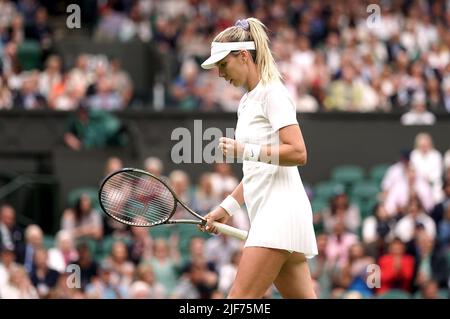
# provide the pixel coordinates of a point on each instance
(231, 231)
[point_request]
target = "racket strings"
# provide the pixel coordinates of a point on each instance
(134, 207)
(146, 192)
(137, 199)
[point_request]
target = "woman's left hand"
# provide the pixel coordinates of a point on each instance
(230, 147)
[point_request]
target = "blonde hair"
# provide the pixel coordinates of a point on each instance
(256, 32)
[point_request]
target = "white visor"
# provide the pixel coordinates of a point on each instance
(220, 50)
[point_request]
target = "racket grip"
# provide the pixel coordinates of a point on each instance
(231, 231)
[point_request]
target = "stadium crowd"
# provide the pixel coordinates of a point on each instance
(405, 234)
(332, 59)
(331, 55)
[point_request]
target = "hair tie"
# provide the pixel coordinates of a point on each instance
(243, 24)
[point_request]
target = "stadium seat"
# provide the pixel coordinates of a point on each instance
(95, 246)
(49, 241)
(325, 190)
(377, 172)
(104, 250)
(318, 204)
(347, 174)
(29, 53)
(364, 190)
(161, 231)
(75, 194)
(185, 233)
(366, 206)
(395, 294)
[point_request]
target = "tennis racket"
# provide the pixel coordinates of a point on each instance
(138, 198)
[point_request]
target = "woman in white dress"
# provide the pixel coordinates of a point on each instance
(271, 145)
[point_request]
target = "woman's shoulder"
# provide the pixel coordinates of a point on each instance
(275, 87)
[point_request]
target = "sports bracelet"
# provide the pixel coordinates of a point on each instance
(231, 205)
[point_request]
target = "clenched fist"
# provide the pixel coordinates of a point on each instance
(230, 147)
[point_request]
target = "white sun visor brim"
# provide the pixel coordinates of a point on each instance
(220, 50)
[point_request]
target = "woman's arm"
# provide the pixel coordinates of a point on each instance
(290, 152)
(219, 214)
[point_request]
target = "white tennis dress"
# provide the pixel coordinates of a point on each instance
(278, 207)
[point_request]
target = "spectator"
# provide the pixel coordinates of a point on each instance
(140, 290)
(113, 164)
(204, 200)
(447, 160)
(122, 267)
(396, 268)
(104, 285)
(62, 290)
(180, 183)
(418, 115)
(199, 282)
(141, 245)
(223, 179)
(414, 217)
(105, 97)
(11, 234)
(34, 238)
(431, 264)
(40, 30)
(154, 165)
(29, 98)
(225, 244)
(345, 94)
(339, 242)
(378, 230)
(439, 211)
(89, 129)
(430, 290)
(7, 263)
(43, 277)
(443, 228)
(145, 274)
(322, 270)
(83, 220)
(187, 90)
(305, 102)
(446, 94)
(51, 76)
(121, 82)
(64, 253)
(396, 172)
(428, 163)
(80, 77)
(5, 96)
(165, 263)
(341, 210)
(399, 194)
(135, 26)
(354, 273)
(19, 285)
(88, 266)
(7, 12)
(227, 272)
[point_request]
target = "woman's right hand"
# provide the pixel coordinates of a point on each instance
(218, 214)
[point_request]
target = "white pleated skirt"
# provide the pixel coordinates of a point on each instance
(279, 209)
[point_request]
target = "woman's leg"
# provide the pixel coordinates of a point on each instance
(294, 279)
(258, 268)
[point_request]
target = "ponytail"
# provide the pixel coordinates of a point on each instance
(264, 59)
(252, 29)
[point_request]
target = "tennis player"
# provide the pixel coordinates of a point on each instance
(270, 142)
